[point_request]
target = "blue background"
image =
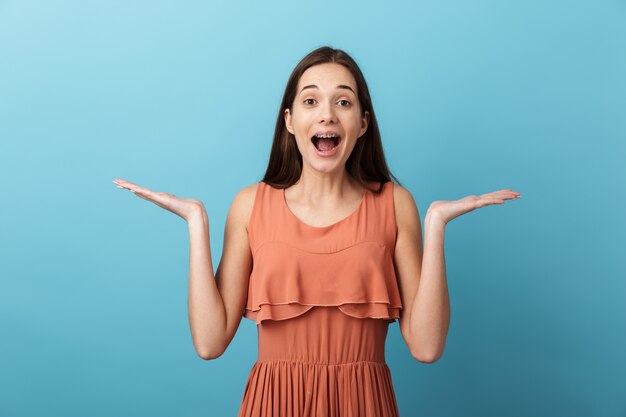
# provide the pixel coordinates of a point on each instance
(471, 97)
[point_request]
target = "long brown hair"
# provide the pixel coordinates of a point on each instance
(367, 161)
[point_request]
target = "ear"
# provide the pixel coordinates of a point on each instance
(288, 121)
(365, 121)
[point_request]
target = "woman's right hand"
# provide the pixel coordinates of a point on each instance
(183, 207)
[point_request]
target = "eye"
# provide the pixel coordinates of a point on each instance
(305, 101)
(348, 103)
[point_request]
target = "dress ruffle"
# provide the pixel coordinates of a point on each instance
(293, 280)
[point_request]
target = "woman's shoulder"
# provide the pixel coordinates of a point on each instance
(400, 194)
(249, 191)
(405, 207)
(243, 202)
(244, 199)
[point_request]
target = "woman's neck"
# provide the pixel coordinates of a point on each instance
(324, 189)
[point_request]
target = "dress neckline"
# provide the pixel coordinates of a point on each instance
(345, 219)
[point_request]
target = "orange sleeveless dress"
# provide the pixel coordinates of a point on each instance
(322, 298)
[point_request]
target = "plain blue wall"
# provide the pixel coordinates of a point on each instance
(471, 97)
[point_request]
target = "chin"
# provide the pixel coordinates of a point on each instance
(327, 167)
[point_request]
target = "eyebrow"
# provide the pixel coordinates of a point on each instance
(342, 86)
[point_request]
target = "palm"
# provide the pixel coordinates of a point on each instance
(448, 210)
(183, 207)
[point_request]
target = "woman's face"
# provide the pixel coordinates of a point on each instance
(326, 103)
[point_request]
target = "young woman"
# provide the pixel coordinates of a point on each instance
(323, 253)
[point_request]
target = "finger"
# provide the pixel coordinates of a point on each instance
(136, 188)
(489, 201)
(149, 195)
(509, 193)
(124, 184)
(140, 190)
(506, 194)
(143, 194)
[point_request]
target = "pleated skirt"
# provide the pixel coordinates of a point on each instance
(321, 363)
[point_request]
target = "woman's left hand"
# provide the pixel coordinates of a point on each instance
(448, 210)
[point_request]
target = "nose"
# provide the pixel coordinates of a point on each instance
(327, 113)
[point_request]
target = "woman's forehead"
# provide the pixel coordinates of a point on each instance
(326, 76)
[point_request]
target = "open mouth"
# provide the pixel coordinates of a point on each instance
(326, 143)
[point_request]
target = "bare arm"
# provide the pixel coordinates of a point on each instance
(425, 317)
(216, 302)
(421, 275)
(207, 315)
(430, 317)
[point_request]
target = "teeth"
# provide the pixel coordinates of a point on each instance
(331, 135)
